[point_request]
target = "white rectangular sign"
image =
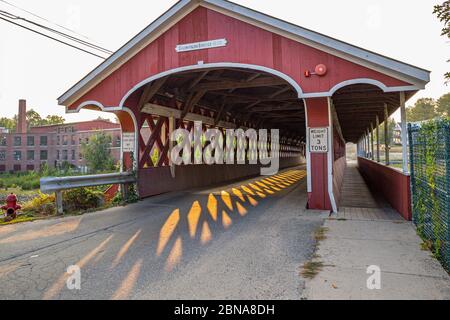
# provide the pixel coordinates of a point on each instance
(128, 142)
(318, 140)
(201, 45)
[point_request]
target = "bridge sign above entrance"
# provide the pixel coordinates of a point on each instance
(201, 45)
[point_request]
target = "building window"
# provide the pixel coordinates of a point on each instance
(2, 155)
(17, 168)
(2, 168)
(17, 155)
(58, 140)
(3, 141)
(73, 155)
(58, 155)
(87, 140)
(44, 140)
(44, 155)
(17, 141)
(65, 155)
(30, 167)
(80, 156)
(118, 141)
(30, 154)
(72, 138)
(30, 141)
(65, 140)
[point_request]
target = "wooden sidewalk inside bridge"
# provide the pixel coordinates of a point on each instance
(358, 202)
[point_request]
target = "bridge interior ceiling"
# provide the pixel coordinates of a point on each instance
(246, 98)
(357, 107)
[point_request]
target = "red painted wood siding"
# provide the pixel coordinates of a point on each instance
(391, 183)
(247, 44)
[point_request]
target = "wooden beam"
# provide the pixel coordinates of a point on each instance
(192, 100)
(166, 112)
(251, 78)
(226, 85)
(236, 97)
(151, 90)
(286, 107)
(219, 113)
(282, 90)
(197, 80)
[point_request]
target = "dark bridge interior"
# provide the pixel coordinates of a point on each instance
(244, 97)
(357, 107)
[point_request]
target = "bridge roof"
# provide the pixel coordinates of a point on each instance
(417, 76)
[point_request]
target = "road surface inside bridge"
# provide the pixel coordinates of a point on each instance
(245, 240)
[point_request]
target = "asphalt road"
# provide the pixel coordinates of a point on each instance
(244, 240)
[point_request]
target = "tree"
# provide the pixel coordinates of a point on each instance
(391, 127)
(98, 153)
(33, 118)
(443, 105)
(423, 109)
(51, 120)
(7, 123)
(443, 13)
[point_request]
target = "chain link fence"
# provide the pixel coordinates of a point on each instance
(429, 145)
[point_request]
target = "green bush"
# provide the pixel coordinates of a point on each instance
(82, 199)
(43, 204)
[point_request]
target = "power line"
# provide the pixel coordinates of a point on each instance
(50, 37)
(45, 19)
(72, 38)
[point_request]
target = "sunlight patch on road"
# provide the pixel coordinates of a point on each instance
(175, 255)
(167, 230)
(226, 220)
(127, 285)
(51, 231)
(206, 235)
(193, 218)
(59, 284)
(212, 206)
(125, 249)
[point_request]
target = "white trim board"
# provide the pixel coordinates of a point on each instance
(411, 74)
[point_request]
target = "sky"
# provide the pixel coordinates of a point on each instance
(40, 70)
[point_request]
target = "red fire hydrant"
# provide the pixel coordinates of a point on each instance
(11, 207)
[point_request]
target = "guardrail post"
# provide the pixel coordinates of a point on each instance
(59, 202)
(124, 191)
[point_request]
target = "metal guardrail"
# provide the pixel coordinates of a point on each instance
(58, 184)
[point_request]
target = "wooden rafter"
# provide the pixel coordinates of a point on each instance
(151, 90)
(225, 85)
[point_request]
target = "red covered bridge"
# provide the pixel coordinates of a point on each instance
(232, 67)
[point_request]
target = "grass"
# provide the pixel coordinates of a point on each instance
(19, 219)
(426, 245)
(311, 268)
(320, 234)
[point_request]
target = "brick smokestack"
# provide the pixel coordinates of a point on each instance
(22, 117)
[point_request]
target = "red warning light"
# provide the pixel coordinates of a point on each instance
(321, 70)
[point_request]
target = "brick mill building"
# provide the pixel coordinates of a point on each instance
(28, 148)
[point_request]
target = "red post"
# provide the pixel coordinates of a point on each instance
(318, 116)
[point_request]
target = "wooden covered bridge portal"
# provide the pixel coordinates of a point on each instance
(232, 67)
